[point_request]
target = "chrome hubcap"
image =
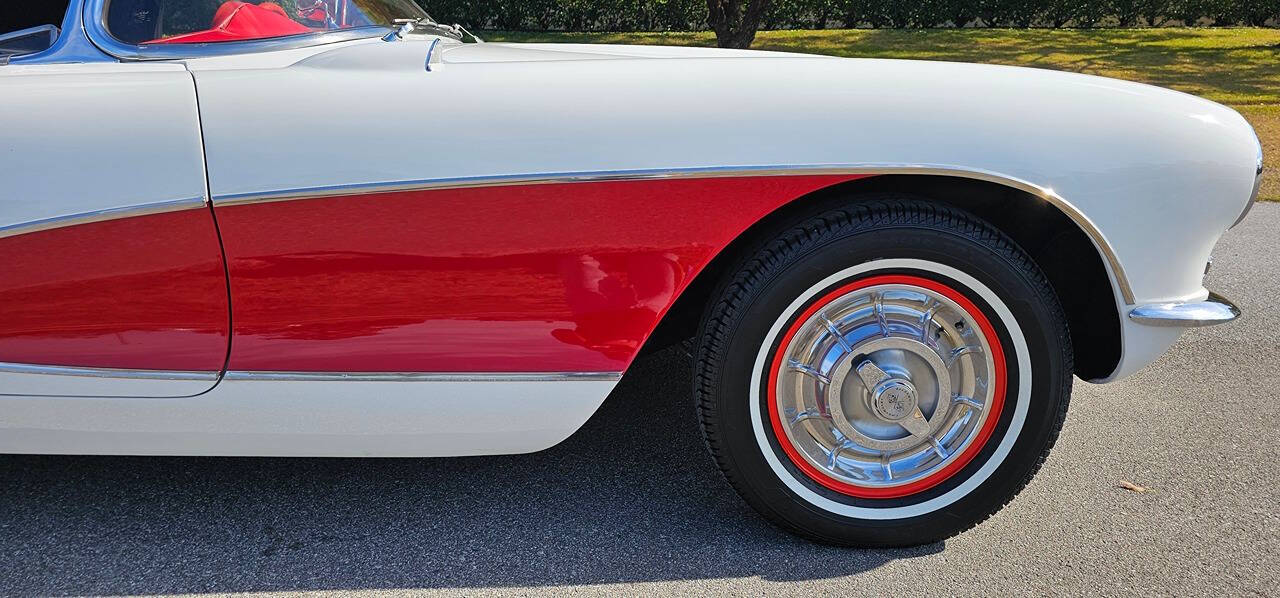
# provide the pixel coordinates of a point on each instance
(884, 386)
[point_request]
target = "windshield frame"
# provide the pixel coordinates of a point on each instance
(95, 23)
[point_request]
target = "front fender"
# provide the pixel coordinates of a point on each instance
(1154, 176)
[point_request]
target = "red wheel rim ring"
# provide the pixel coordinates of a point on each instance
(935, 478)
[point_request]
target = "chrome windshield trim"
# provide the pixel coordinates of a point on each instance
(50, 30)
(123, 374)
(95, 17)
(147, 209)
(1193, 314)
(72, 45)
(1075, 214)
(422, 377)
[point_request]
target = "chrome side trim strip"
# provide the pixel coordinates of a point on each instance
(1045, 193)
(1210, 312)
(146, 209)
(91, 372)
(86, 372)
(423, 377)
(534, 179)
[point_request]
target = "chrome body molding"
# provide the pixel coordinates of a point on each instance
(32, 381)
(1047, 194)
(58, 370)
(95, 15)
(146, 209)
(548, 178)
(129, 374)
(1212, 311)
(424, 377)
(9, 368)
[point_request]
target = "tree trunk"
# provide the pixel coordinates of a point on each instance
(734, 26)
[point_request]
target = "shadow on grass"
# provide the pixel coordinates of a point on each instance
(632, 497)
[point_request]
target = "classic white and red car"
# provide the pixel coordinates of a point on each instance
(332, 228)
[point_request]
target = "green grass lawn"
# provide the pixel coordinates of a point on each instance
(1236, 66)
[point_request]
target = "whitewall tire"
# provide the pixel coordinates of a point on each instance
(884, 374)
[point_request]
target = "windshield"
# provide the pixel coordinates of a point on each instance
(204, 21)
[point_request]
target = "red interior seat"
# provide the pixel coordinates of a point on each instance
(236, 20)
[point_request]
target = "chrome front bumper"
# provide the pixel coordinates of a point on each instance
(1212, 311)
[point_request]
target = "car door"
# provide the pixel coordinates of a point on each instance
(111, 274)
(337, 268)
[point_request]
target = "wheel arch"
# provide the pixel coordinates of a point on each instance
(1073, 254)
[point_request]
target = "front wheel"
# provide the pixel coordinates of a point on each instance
(886, 374)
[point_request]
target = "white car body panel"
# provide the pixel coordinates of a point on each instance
(42, 106)
(320, 418)
(1160, 174)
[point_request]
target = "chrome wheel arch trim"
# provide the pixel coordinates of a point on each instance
(146, 209)
(1100, 241)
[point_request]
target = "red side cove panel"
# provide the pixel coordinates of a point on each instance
(533, 278)
(147, 292)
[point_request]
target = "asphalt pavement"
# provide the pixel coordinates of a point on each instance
(632, 503)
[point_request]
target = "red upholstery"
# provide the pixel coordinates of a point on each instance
(237, 20)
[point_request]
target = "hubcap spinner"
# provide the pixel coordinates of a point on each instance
(861, 403)
(894, 400)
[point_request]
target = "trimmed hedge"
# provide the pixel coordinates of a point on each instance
(691, 15)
